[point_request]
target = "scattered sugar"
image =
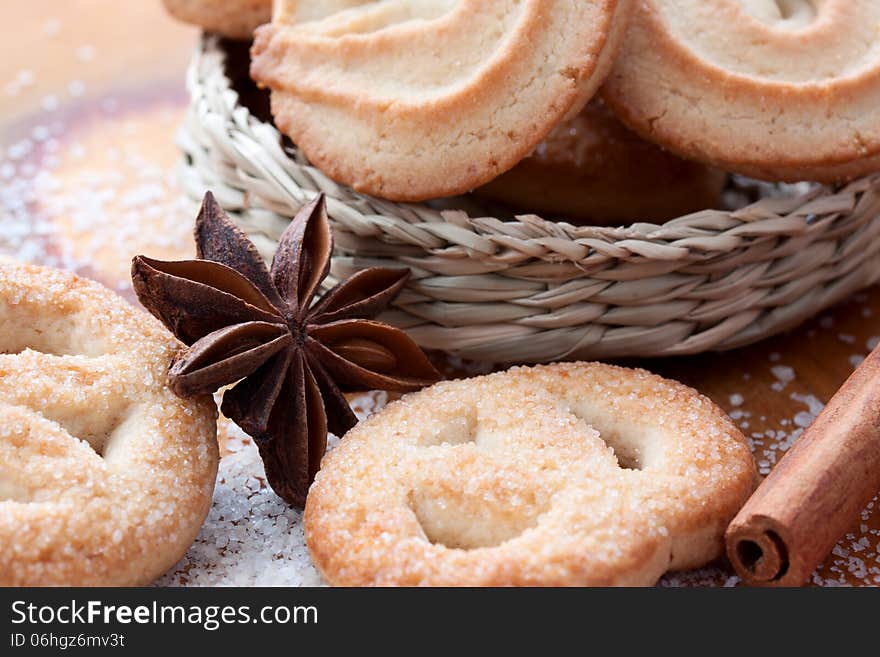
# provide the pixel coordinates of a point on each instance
(76, 88)
(251, 536)
(23, 79)
(50, 103)
(736, 399)
(78, 196)
(804, 419)
(86, 53)
(52, 27)
(783, 373)
(40, 133)
(814, 404)
(19, 150)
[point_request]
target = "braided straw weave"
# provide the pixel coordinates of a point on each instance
(531, 290)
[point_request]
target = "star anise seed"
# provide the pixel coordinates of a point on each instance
(291, 359)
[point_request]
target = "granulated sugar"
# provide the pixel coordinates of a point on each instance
(783, 374)
(251, 536)
(856, 556)
(88, 194)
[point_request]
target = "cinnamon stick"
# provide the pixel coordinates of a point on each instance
(815, 493)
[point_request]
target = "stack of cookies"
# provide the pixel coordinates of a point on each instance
(607, 111)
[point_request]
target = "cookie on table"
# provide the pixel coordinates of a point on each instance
(105, 475)
(410, 100)
(593, 169)
(776, 90)
(569, 474)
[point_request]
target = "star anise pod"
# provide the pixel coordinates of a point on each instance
(292, 358)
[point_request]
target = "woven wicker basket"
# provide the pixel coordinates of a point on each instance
(524, 289)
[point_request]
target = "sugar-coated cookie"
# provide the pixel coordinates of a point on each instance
(105, 475)
(570, 474)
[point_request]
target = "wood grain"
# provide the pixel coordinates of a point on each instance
(90, 95)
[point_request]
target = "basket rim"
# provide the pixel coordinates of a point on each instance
(537, 290)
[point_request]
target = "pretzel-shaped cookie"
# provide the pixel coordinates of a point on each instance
(105, 475)
(776, 89)
(571, 474)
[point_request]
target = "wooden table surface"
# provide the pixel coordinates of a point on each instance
(91, 92)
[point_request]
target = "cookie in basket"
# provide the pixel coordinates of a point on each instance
(570, 474)
(775, 90)
(592, 168)
(105, 475)
(237, 19)
(409, 100)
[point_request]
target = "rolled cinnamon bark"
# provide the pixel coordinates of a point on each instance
(815, 493)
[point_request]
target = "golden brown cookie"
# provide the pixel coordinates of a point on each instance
(416, 99)
(570, 474)
(105, 475)
(776, 90)
(593, 169)
(235, 19)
